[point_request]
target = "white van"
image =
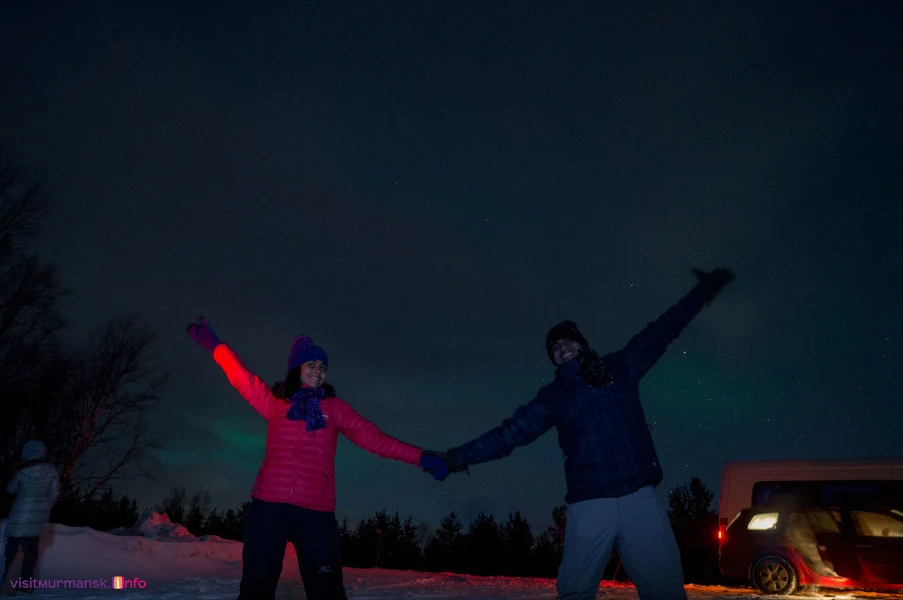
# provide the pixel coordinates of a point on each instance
(746, 484)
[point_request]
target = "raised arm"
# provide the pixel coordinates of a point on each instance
(251, 387)
(645, 348)
(528, 423)
(367, 435)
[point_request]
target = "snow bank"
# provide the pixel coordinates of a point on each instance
(82, 553)
(180, 567)
(157, 526)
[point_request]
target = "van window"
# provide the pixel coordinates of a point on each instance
(765, 491)
(871, 524)
(886, 494)
(846, 492)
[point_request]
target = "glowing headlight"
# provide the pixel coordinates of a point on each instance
(763, 521)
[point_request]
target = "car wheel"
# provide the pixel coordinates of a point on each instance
(774, 574)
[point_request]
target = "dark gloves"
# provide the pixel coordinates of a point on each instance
(434, 464)
(440, 464)
(203, 335)
(713, 282)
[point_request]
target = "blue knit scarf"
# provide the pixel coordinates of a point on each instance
(306, 407)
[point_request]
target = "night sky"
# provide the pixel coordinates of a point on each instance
(426, 187)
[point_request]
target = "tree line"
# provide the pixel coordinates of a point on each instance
(484, 546)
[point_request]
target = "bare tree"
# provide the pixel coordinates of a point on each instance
(29, 292)
(89, 405)
(25, 201)
(101, 433)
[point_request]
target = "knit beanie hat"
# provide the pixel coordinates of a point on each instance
(33, 450)
(304, 350)
(566, 330)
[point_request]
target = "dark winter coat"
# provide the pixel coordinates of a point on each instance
(607, 443)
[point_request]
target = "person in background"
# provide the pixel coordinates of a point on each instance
(36, 487)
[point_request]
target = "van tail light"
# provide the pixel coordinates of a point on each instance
(722, 530)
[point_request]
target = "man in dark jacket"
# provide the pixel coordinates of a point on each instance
(610, 462)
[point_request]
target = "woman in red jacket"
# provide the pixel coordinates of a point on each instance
(293, 499)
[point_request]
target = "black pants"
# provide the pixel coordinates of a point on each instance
(30, 561)
(315, 535)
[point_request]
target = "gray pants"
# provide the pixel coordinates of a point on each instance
(638, 527)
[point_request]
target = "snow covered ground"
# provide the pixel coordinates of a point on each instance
(171, 564)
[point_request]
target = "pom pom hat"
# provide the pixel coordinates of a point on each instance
(304, 350)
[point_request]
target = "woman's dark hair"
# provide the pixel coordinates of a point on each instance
(594, 371)
(286, 389)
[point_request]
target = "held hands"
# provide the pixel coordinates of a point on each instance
(203, 335)
(435, 465)
(441, 464)
(714, 281)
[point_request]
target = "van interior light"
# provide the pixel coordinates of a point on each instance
(763, 521)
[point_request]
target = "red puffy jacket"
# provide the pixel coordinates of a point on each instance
(299, 466)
